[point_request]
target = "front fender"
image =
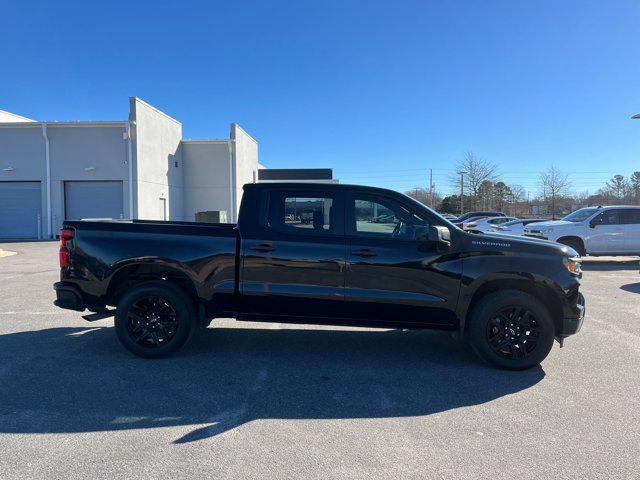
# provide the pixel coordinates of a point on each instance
(540, 275)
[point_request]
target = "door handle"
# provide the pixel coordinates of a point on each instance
(262, 247)
(365, 253)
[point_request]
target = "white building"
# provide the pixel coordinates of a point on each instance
(137, 168)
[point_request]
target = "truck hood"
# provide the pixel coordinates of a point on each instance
(509, 243)
(550, 223)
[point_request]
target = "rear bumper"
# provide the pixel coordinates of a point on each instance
(68, 296)
(573, 323)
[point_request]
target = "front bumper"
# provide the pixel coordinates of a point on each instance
(573, 323)
(536, 235)
(68, 296)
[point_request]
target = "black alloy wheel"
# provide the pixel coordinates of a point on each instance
(513, 332)
(511, 329)
(155, 319)
(151, 322)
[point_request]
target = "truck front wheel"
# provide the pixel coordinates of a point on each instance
(511, 329)
(574, 243)
(154, 319)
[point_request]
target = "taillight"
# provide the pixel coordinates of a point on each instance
(66, 242)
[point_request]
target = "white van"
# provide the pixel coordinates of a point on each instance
(613, 230)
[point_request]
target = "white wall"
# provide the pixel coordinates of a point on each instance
(157, 148)
(22, 153)
(72, 148)
(206, 177)
(245, 152)
(86, 152)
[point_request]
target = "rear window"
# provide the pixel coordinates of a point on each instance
(631, 216)
(301, 213)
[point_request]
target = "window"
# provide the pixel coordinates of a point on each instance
(386, 218)
(288, 211)
(631, 216)
(608, 217)
(499, 220)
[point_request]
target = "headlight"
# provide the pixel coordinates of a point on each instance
(547, 230)
(572, 265)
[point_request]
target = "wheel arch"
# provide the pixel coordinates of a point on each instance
(576, 239)
(538, 289)
(131, 274)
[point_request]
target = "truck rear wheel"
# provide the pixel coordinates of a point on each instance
(154, 319)
(511, 329)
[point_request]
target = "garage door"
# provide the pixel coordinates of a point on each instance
(20, 208)
(93, 200)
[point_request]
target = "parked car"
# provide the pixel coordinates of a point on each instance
(515, 227)
(459, 222)
(510, 298)
(611, 230)
(465, 217)
(484, 224)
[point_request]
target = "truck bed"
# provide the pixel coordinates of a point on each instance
(202, 254)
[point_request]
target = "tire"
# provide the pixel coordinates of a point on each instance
(528, 341)
(575, 244)
(155, 328)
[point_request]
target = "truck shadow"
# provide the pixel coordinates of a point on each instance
(80, 379)
(631, 287)
(609, 266)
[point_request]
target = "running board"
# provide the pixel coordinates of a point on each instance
(99, 315)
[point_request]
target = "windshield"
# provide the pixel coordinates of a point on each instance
(580, 215)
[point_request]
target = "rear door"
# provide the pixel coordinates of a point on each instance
(394, 274)
(631, 219)
(606, 233)
(293, 261)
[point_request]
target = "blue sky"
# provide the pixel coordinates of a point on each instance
(379, 91)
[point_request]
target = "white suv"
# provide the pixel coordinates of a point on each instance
(613, 230)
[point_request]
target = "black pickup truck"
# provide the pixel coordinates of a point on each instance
(319, 254)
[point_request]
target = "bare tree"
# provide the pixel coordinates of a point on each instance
(518, 200)
(425, 196)
(476, 171)
(555, 184)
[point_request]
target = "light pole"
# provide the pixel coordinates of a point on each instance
(461, 173)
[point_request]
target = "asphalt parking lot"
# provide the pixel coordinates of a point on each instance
(249, 400)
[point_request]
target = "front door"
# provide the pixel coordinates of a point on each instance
(606, 233)
(394, 273)
(293, 263)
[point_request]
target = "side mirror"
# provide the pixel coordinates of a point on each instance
(439, 235)
(595, 221)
